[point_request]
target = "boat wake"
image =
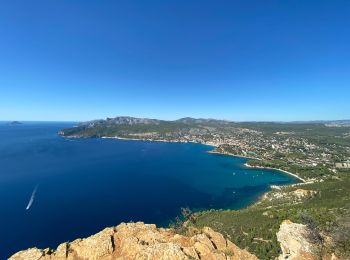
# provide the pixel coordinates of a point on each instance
(32, 197)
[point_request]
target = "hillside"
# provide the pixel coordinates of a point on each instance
(310, 150)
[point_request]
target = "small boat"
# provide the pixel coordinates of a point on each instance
(32, 197)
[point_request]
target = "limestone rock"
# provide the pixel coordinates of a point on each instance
(296, 242)
(216, 238)
(301, 193)
(142, 241)
(94, 247)
(30, 254)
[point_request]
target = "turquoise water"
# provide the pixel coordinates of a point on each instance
(84, 185)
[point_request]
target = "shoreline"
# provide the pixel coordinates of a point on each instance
(263, 196)
(144, 140)
(213, 151)
(231, 154)
(277, 169)
(258, 167)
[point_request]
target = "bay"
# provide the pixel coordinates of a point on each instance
(80, 186)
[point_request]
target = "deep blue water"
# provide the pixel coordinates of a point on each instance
(85, 185)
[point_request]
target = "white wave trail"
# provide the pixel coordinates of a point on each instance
(32, 197)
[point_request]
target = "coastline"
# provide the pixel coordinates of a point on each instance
(277, 169)
(206, 143)
(263, 196)
(146, 140)
(231, 154)
(258, 167)
(213, 151)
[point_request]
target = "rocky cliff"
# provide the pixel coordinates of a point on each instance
(298, 242)
(142, 241)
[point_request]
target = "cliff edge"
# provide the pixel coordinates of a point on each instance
(142, 241)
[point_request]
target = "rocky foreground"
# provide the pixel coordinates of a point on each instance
(146, 241)
(142, 241)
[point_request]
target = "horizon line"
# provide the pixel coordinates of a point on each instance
(233, 121)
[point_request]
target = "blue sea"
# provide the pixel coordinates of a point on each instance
(79, 186)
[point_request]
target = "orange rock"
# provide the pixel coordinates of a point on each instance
(142, 241)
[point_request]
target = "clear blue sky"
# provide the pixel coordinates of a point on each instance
(238, 60)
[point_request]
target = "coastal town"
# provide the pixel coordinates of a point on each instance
(307, 150)
(317, 153)
(175, 130)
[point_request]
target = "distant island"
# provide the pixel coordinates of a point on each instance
(15, 123)
(318, 152)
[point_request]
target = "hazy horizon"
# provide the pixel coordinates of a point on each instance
(166, 119)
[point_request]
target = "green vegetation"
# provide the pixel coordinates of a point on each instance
(255, 227)
(122, 130)
(302, 171)
(309, 150)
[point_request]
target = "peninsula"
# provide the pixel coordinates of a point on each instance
(308, 149)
